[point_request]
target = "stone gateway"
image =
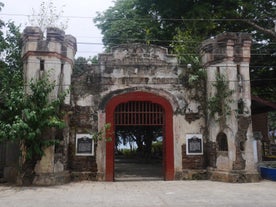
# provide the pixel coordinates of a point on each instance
(137, 88)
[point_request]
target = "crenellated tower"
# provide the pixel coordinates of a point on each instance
(53, 54)
(226, 58)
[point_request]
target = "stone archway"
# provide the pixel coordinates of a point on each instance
(168, 148)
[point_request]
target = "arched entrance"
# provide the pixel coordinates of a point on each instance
(138, 98)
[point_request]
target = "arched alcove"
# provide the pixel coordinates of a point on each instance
(222, 143)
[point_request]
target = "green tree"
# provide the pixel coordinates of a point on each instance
(33, 122)
(126, 23)
(209, 17)
(203, 19)
(27, 119)
(10, 63)
(81, 64)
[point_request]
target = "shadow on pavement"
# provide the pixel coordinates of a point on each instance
(138, 170)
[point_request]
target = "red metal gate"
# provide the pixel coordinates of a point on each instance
(139, 113)
(140, 108)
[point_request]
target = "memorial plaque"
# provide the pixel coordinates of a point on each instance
(84, 145)
(194, 144)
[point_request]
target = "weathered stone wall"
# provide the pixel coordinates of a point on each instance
(57, 50)
(193, 162)
(228, 54)
(126, 69)
(53, 54)
(146, 68)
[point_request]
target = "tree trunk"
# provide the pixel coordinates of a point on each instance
(26, 173)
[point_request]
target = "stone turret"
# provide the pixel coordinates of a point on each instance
(230, 134)
(53, 54)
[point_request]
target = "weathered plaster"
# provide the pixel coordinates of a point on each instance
(150, 69)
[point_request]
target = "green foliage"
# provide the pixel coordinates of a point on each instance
(193, 76)
(28, 119)
(127, 23)
(81, 64)
(187, 49)
(263, 80)
(207, 18)
(11, 90)
(159, 22)
(156, 151)
(157, 148)
(10, 62)
(131, 18)
(128, 153)
(218, 104)
(31, 118)
(186, 46)
(102, 134)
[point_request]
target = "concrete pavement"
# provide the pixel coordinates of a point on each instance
(142, 194)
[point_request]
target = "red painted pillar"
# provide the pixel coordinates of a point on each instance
(169, 146)
(109, 171)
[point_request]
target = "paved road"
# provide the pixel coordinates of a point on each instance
(142, 194)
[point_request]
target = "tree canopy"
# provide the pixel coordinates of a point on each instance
(159, 22)
(26, 119)
(131, 18)
(10, 55)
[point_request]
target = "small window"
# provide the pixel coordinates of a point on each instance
(222, 142)
(240, 106)
(242, 146)
(61, 68)
(218, 70)
(42, 65)
(238, 70)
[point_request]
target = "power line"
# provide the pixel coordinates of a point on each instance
(90, 43)
(159, 40)
(145, 63)
(146, 19)
(133, 40)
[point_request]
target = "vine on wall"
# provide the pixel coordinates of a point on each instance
(101, 134)
(193, 77)
(218, 104)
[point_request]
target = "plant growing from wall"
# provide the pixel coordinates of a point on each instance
(193, 77)
(218, 104)
(101, 134)
(186, 46)
(48, 16)
(34, 124)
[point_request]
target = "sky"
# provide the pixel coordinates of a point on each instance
(80, 14)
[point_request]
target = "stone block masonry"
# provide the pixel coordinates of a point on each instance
(148, 74)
